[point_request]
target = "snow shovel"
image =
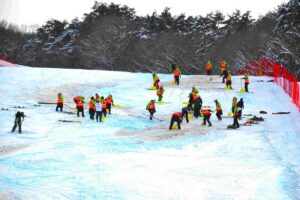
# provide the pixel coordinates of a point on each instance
(117, 106)
(152, 88)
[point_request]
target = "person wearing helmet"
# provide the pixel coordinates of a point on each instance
(151, 108)
(60, 102)
(208, 67)
(19, 118)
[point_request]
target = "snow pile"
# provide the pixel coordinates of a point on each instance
(131, 157)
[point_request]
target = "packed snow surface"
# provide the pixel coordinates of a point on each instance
(130, 157)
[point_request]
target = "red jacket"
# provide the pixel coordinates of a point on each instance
(59, 100)
(79, 103)
(208, 67)
(206, 112)
(92, 106)
(109, 100)
(104, 104)
(177, 114)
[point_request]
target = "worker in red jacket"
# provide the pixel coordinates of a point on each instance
(109, 102)
(104, 106)
(151, 108)
(206, 116)
(79, 100)
(92, 108)
(176, 117)
(208, 68)
(177, 74)
(60, 102)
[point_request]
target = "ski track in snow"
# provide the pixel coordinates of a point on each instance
(131, 157)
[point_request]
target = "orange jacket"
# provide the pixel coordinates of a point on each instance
(208, 67)
(223, 65)
(104, 104)
(109, 100)
(79, 103)
(160, 92)
(177, 114)
(176, 73)
(59, 100)
(206, 112)
(151, 106)
(92, 106)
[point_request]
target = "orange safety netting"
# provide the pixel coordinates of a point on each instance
(288, 82)
(281, 76)
(5, 59)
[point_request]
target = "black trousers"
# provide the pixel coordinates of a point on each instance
(176, 79)
(18, 122)
(80, 110)
(208, 72)
(197, 112)
(185, 113)
(228, 84)
(60, 107)
(206, 119)
(235, 122)
(151, 113)
(98, 116)
(175, 119)
(104, 112)
(219, 114)
(240, 114)
(246, 87)
(224, 78)
(109, 108)
(92, 114)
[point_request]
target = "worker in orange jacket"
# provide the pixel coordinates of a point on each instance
(151, 108)
(176, 117)
(206, 116)
(177, 74)
(60, 102)
(109, 102)
(222, 66)
(92, 108)
(208, 67)
(104, 106)
(79, 100)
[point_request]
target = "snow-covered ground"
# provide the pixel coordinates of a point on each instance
(131, 157)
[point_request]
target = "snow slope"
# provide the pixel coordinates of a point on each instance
(131, 157)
